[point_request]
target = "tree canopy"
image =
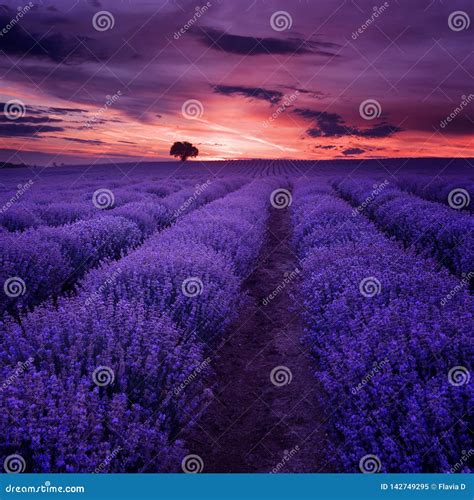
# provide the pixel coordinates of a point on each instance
(183, 150)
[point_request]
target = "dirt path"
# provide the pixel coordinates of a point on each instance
(253, 425)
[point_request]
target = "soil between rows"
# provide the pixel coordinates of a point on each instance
(251, 425)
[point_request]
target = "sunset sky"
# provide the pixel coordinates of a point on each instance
(123, 80)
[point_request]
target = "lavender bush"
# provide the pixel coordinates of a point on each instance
(106, 349)
(433, 229)
(382, 341)
(66, 419)
(78, 247)
(19, 218)
(60, 213)
(61, 420)
(21, 210)
(443, 190)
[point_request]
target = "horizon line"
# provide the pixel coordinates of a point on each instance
(196, 161)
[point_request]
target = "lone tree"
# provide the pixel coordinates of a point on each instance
(184, 150)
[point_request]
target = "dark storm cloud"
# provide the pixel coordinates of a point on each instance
(24, 130)
(38, 115)
(30, 119)
(253, 46)
(317, 94)
(328, 124)
(272, 96)
(84, 141)
(380, 130)
(332, 125)
(57, 19)
(53, 46)
(419, 65)
(46, 110)
(65, 111)
(353, 151)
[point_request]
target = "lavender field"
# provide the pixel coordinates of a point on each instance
(243, 316)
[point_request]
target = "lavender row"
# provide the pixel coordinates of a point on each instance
(27, 208)
(433, 229)
(392, 356)
(43, 262)
(456, 192)
(203, 254)
(116, 371)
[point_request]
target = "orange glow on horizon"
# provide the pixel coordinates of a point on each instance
(229, 128)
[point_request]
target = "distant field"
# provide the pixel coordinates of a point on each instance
(244, 316)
